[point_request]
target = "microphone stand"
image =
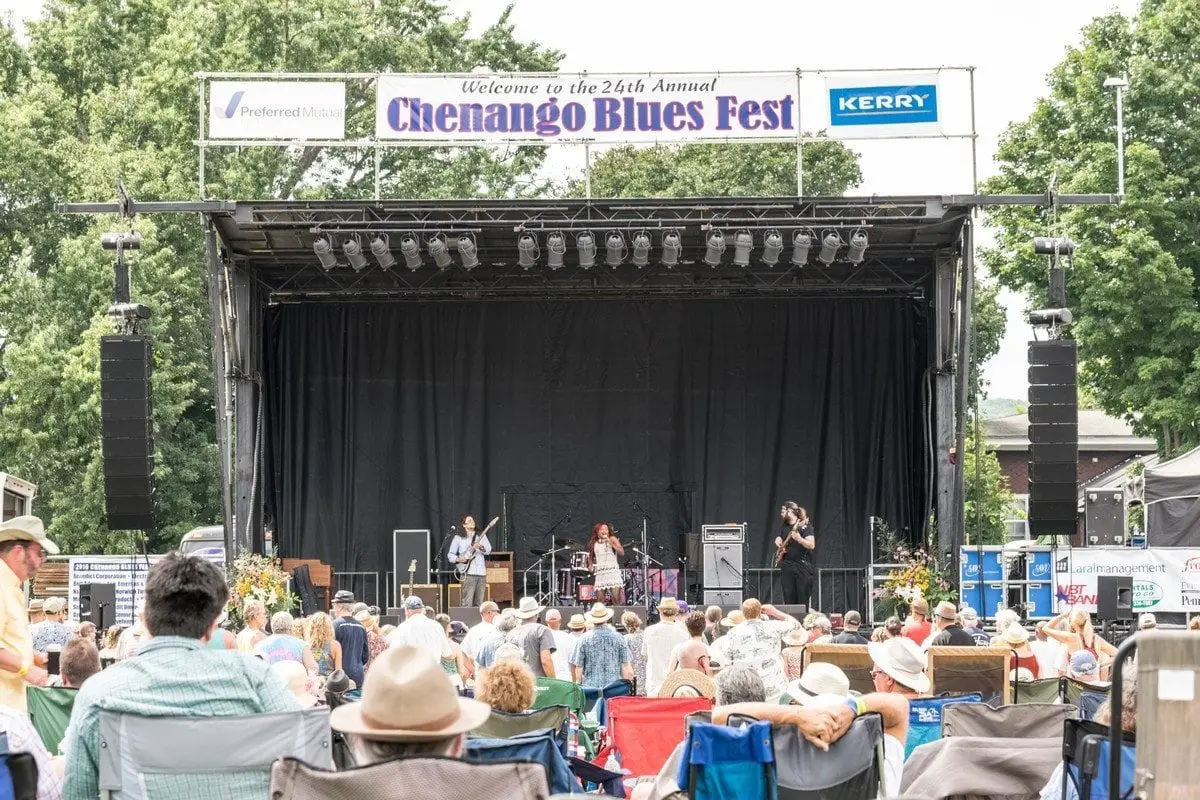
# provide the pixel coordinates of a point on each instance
(645, 547)
(683, 560)
(439, 567)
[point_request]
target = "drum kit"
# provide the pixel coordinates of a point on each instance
(573, 583)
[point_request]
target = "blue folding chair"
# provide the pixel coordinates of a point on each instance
(1086, 761)
(598, 698)
(925, 719)
(537, 746)
(18, 776)
(721, 762)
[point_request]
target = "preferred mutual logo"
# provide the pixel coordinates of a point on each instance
(232, 106)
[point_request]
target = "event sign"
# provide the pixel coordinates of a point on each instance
(1164, 579)
(666, 107)
(277, 110)
(879, 105)
(127, 573)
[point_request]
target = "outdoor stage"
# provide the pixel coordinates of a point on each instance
(367, 400)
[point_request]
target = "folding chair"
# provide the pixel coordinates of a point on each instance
(50, 712)
(422, 778)
(205, 756)
(502, 725)
(925, 719)
(18, 776)
(644, 730)
(598, 704)
(721, 762)
(851, 769)
(553, 692)
(1041, 721)
(981, 766)
(539, 747)
(1044, 690)
(1086, 756)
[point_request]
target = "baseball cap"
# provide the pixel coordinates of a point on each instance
(1147, 621)
(968, 613)
(414, 603)
(54, 605)
(1083, 663)
(852, 618)
(343, 596)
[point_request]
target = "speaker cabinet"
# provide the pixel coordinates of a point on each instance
(98, 604)
(723, 597)
(1114, 597)
(723, 565)
(126, 439)
(1053, 438)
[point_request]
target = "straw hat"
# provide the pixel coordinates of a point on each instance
(947, 611)
(577, 622)
(688, 683)
(37, 605)
(734, 618)
(796, 638)
(407, 698)
(528, 608)
(822, 684)
(599, 614)
(901, 659)
(669, 604)
(1014, 635)
(27, 528)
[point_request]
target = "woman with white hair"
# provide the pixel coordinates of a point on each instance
(283, 645)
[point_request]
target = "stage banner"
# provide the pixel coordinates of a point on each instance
(128, 573)
(277, 110)
(665, 107)
(882, 105)
(1164, 579)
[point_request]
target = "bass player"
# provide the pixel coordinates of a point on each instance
(794, 554)
(470, 549)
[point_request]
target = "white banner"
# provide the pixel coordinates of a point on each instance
(1164, 579)
(126, 572)
(587, 107)
(276, 110)
(882, 104)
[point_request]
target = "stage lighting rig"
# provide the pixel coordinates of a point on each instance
(468, 252)
(801, 245)
(614, 248)
(743, 243)
(772, 248)
(830, 242)
(527, 251)
(381, 249)
(410, 248)
(352, 250)
(671, 247)
(324, 250)
(641, 249)
(440, 252)
(124, 315)
(556, 250)
(714, 249)
(857, 248)
(585, 243)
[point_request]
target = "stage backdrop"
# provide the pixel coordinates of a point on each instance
(384, 416)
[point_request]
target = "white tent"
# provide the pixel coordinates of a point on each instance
(1173, 502)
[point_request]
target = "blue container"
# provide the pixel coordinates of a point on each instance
(993, 564)
(968, 567)
(1039, 566)
(971, 594)
(993, 599)
(1039, 600)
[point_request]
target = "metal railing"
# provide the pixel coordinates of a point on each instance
(841, 589)
(363, 585)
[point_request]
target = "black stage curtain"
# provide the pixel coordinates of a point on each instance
(385, 416)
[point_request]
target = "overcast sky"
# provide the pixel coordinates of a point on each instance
(1012, 44)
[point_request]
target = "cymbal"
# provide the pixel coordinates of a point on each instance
(561, 541)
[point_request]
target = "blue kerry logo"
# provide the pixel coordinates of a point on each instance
(883, 105)
(234, 102)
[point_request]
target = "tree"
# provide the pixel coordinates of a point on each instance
(104, 91)
(1133, 281)
(989, 501)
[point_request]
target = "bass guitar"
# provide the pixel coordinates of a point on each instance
(463, 562)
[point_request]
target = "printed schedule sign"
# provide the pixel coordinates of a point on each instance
(587, 107)
(127, 573)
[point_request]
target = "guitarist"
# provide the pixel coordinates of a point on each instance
(794, 554)
(468, 547)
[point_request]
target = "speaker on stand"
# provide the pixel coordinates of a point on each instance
(1053, 438)
(126, 436)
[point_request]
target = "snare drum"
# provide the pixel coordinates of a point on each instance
(581, 561)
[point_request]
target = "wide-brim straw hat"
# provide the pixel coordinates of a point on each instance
(528, 608)
(821, 684)
(796, 638)
(901, 658)
(577, 622)
(1014, 635)
(704, 685)
(733, 619)
(599, 614)
(406, 697)
(27, 528)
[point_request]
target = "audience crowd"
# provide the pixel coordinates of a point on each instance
(422, 686)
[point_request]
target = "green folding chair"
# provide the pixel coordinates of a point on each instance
(553, 692)
(50, 712)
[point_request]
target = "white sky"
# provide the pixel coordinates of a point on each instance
(1013, 44)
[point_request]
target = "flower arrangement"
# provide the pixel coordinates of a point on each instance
(258, 577)
(917, 574)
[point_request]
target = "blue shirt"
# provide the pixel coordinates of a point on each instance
(352, 636)
(46, 634)
(460, 545)
(601, 653)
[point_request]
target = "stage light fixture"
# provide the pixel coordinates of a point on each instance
(411, 250)
(641, 249)
(381, 249)
(830, 243)
(468, 251)
(439, 251)
(671, 247)
(743, 243)
(324, 250)
(527, 251)
(352, 250)
(556, 250)
(614, 248)
(585, 243)
(801, 245)
(716, 246)
(772, 248)
(857, 248)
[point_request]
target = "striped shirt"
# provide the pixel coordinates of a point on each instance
(172, 676)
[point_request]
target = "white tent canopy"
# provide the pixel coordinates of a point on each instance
(1173, 502)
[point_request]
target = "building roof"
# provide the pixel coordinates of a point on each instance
(1098, 432)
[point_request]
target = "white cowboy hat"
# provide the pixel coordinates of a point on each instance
(528, 608)
(27, 528)
(599, 614)
(407, 698)
(1015, 635)
(822, 684)
(901, 658)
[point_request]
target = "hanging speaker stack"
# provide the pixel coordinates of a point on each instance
(1053, 438)
(127, 440)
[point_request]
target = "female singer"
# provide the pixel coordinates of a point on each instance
(605, 547)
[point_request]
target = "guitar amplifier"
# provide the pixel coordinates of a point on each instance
(729, 532)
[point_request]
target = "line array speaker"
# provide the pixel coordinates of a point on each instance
(1053, 438)
(126, 434)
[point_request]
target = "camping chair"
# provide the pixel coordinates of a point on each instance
(538, 746)
(851, 769)
(970, 670)
(503, 725)
(925, 719)
(1086, 754)
(1041, 721)
(619, 688)
(980, 766)
(423, 778)
(50, 711)
(1043, 690)
(18, 775)
(644, 730)
(205, 756)
(721, 762)
(553, 692)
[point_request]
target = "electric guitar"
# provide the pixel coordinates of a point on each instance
(782, 548)
(412, 576)
(463, 562)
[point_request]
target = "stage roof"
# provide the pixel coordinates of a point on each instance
(274, 240)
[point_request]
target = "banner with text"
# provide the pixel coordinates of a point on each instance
(277, 110)
(126, 573)
(882, 105)
(1164, 579)
(587, 107)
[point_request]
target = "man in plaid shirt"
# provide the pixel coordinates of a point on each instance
(174, 674)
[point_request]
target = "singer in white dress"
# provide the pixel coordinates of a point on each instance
(605, 548)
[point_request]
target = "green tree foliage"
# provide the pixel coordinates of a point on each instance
(1133, 284)
(104, 91)
(987, 328)
(989, 501)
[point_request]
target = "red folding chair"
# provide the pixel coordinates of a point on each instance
(644, 730)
